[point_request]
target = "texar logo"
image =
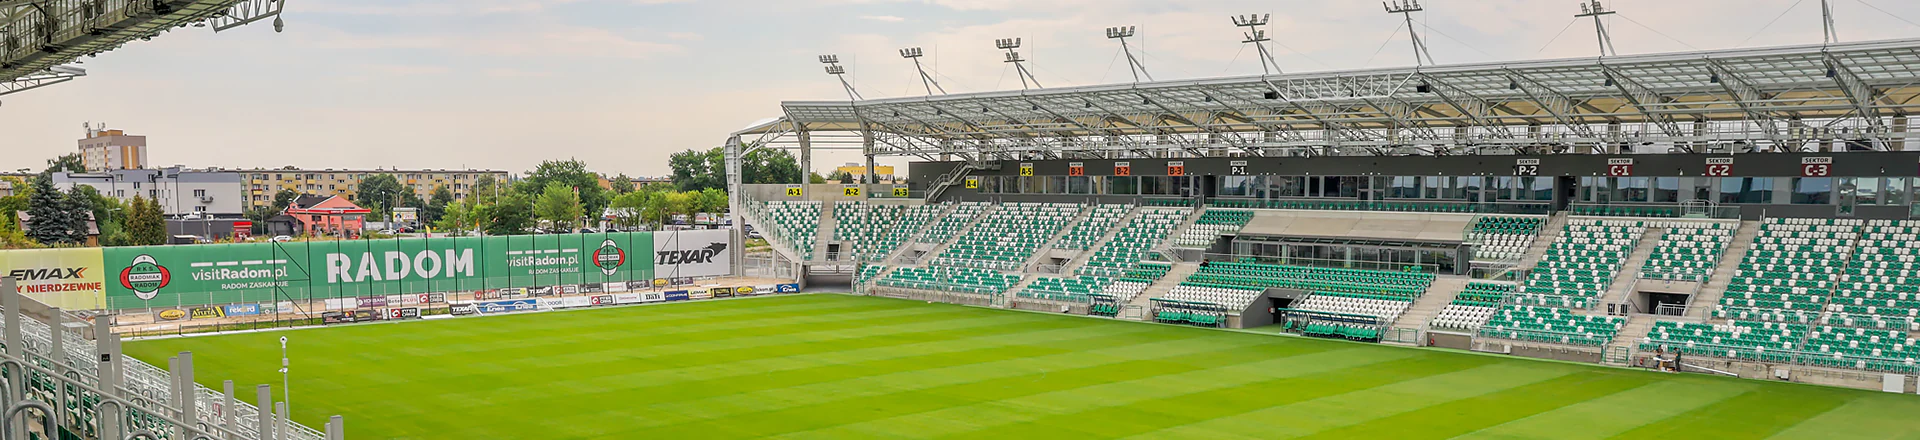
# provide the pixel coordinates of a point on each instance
(609, 257)
(691, 256)
(54, 273)
(145, 277)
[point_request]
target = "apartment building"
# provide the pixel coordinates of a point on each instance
(107, 150)
(180, 191)
(262, 184)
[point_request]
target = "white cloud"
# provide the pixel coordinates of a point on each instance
(548, 40)
(885, 18)
(685, 36)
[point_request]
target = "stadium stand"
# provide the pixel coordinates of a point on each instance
(1552, 325)
(1119, 255)
(950, 279)
(1087, 232)
(1008, 236)
(1503, 237)
(1880, 286)
(907, 225)
(1081, 288)
(1578, 267)
(1382, 293)
(796, 223)
(864, 224)
(1786, 275)
(1211, 224)
(1688, 251)
(953, 222)
(1475, 303)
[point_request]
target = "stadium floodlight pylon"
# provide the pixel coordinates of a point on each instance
(1258, 38)
(1012, 46)
(914, 53)
(834, 68)
(1592, 8)
(1134, 66)
(1406, 8)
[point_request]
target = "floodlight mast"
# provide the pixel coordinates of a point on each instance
(834, 68)
(1828, 34)
(1593, 9)
(1258, 37)
(1134, 66)
(1406, 8)
(913, 53)
(1013, 56)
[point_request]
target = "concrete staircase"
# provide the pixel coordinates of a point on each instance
(824, 234)
(1702, 304)
(1182, 227)
(1629, 336)
(1622, 288)
(1165, 284)
(1438, 295)
(1040, 254)
(917, 233)
(1081, 259)
(962, 232)
(1549, 233)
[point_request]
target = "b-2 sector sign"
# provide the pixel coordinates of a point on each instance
(188, 275)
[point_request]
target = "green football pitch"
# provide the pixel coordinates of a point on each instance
(834, 366)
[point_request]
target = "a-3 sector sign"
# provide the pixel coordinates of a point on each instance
(72, 279)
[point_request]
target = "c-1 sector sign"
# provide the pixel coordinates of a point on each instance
(152, 276)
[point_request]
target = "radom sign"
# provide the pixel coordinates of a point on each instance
(155, 276)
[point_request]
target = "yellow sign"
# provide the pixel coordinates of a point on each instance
(900, 191)
(71, 279)
(850, 191)
(657, 282)
(1026, 169)
(172, 314)
(795, 191)
(973, 183)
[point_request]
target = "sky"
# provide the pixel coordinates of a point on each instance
(621, 84)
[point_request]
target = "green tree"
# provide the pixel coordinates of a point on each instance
(573, 174)
(81, 210)
(768, 166)
(559, 207)
(840, 176)
(815, 178)
(458, 217)
(512, 215)
(49, 222)
(627, 209)
(711, 200)
(146, 225)
(283, 199)
(621, 184)
(437, 204)
(379, 193)
(697, 170)
(483, 190)
(66, 163)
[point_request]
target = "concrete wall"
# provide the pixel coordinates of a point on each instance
(1359, 224)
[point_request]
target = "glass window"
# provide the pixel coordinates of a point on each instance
(1896, 191)
(1666, 189)
(1404, 187)
(1153, 185)
(1056, 185)
(1431, 186)
(1602, 189)
(1286, 186)
(1702, 188)
(1746, 190)
(1502, 187)
(1349, 187)
(1586, 189)
(1631, 189)
(1123, 185)
(1866, 191)
(1078, 184)
(1236, 186)
(1471, 187)
(1181, 186)
(1812, 190)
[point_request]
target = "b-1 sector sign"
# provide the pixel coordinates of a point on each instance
(188, 275)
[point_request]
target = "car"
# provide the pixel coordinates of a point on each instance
(281, 239)
(588, 231)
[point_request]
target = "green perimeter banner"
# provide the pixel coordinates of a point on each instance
(166, 276)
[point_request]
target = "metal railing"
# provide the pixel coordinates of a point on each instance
(1655, 210)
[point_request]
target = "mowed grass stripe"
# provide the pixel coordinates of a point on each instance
(1461, 416)
(1760, 414)
(1611, 415)
(821, 366)
(914, 391)
(1150, 415)
(989, 414)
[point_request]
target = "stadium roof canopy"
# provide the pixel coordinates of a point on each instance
(1780, 98)
(36, 36)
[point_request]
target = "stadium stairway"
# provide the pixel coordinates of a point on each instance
(1182, 228)
(1622, 288)
(912, 239)
(957, 233)
(1624, 341)
(1080, 259)
(1163, 285)
(1716, 287)
(1548, 234)
(1439, 294)
(1046, 248)
(827, 223)
(763, 225)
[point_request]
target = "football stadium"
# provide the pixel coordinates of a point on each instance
(1706, 244)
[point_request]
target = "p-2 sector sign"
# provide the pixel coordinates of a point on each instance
(1816, 166)
(1620, 167)
(1719, 167)
(1526, 167)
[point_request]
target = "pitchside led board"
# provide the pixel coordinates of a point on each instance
(153, 276)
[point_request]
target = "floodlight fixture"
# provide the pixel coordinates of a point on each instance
(1120, 31)
(1592, 8)
(926, 80)
(1007, 43)
(1258, 38)
(1013, 56)
(911, 52)
(836, 69)
(1251, 20)
(1134, 66)
(829, 59)
(1406, 8)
